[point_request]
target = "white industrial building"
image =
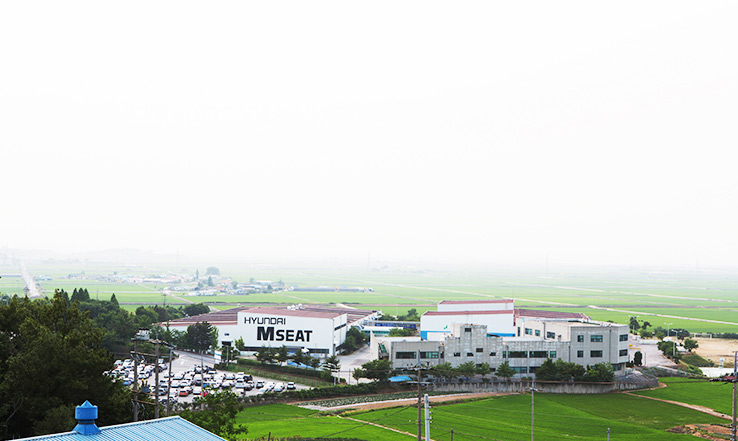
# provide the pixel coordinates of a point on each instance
(319, 330)
(497, 315)
(494, 332)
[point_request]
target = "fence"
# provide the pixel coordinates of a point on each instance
(543, 386)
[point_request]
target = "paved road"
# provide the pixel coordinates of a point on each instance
(33, 291)
(652, 357)
(352, 361)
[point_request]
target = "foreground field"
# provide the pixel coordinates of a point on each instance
(282, 420)
(557, 417)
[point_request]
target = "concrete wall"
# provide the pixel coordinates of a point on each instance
(545, 387)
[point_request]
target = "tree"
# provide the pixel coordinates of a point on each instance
(690, 344)
(266, 355)
(194, 309)
(634, 325)
(378, 370)
(468, 369)
(645, 325)
(218, 414)
(638, 358)
(354, 340)
(282, 354)
(505, 371)
(601, 372)
(234, 284)
(401, 332)
(113, 300)
(212, 271)
(331, 364)
(483, 369)
(444, 371)
(80, 295)
(51, 359)
(645, 333)
(210, 281)
(240, 345)
(199, 336)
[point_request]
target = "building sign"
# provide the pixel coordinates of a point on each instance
(270, 333)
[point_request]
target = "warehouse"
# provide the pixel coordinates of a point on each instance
(318, 330)
(497, 315)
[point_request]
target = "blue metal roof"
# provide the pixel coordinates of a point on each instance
(399, 378)
(164, 429)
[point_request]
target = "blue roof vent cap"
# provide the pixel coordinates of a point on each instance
(86, 414)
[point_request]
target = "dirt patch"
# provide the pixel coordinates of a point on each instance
(712, 432)
(714, 349)
(412, 401)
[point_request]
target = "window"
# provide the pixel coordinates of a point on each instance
(480, 349)
(518, 354)
(406, 355)
(520, 370)
(528, 331)
(623, 352)
(467, 329)
(580, 354)
(538, 354)
(550, 334)
(623, 337)
(429, 355)
(470, 354)
(457, 354)
(595, 338)
(538, 332)
(493, 354)
(595, 354)
(580, 339)
(552, 354)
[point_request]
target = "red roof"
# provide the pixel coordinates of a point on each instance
(537, 313)
(294, 312)
(472, 302)
(504, 311)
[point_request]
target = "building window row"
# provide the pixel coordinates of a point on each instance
(550, 334)
(623, 352)
(406, 355)
(430, 355)
(527, 354)
(596, 338)
(623, 337)
(592, 354)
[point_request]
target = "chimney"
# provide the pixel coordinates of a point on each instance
(86, 414)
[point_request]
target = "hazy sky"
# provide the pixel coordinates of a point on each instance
(456, 131)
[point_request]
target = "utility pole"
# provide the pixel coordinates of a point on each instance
(427, 418)
(608, 434)
(532, 412)
(732, 379)
(169, 380)
(420, 399)
(156, 379)
(135, 379)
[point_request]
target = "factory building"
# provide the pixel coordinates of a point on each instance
(319, 330)
(493, 331)
(497, 315)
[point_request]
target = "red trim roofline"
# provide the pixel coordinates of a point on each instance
(473, 302)
(504, 311)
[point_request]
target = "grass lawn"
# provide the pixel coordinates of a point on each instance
(717, 396)
(283, 420)
(558, 417)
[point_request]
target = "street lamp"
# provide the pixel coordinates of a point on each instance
(532, 411)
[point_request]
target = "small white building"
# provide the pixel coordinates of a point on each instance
(497, 315)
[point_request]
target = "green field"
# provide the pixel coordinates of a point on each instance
(716, 396)
(282, 420)
(693, 295)
(557, 417)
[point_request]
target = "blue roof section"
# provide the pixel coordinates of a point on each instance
(164, 429)
(399, 378)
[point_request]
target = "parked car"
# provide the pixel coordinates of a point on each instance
(291, 386)
(259, 384)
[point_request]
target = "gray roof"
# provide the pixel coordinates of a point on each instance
(164, 429)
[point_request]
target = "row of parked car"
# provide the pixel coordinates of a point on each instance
(197, 381)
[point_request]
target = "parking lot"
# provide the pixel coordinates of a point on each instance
(193, 376)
